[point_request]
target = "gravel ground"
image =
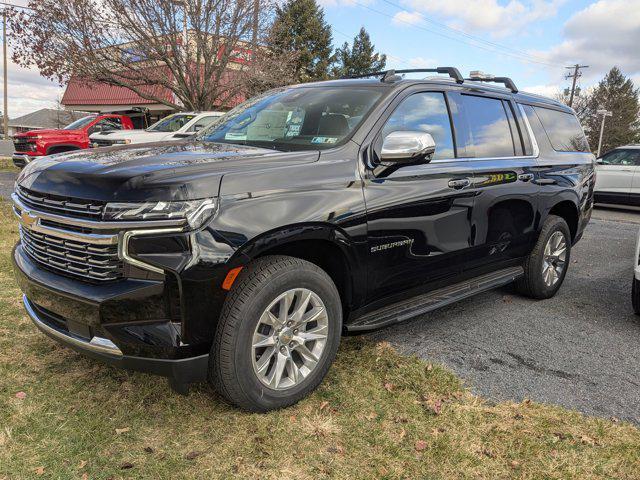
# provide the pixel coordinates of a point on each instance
(578, 349)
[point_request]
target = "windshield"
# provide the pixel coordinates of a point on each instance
(295, 118)
(80, 123)
(171, 123)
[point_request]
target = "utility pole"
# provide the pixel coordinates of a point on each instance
(605, 113)
(4, 52)
(256, 22)
(575, 75)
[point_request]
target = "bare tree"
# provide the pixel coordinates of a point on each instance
(140, 45)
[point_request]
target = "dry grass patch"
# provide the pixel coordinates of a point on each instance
(377, 415)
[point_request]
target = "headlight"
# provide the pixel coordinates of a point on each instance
(126, 141)
(195, 212)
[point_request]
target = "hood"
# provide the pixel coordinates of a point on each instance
(184, 170)
(132, 134)
(48, 132)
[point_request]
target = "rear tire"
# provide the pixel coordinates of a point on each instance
(297, 351)
(547, 264)
(635, 295)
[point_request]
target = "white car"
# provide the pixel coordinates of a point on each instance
(618, 176)
(173, 127)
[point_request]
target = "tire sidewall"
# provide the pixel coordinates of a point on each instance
(256, 391)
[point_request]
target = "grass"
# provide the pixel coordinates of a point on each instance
(377, 415)
(6, 165)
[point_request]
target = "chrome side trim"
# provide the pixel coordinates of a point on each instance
(96, 344)
(93, 224)
(123, 246)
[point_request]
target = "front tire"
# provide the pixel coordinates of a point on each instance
(547, 264)
(277, 335)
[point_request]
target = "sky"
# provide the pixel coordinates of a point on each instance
(531, 41)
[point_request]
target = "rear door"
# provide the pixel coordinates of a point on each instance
(491, 134)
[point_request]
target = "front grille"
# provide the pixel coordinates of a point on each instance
(100, 142)
(73, 258)
(22, 145)
(60, 205)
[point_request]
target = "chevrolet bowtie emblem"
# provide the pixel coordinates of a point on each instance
(27, 219)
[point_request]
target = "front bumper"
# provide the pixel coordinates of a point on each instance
(121, 324)
(20, 160)
(185, 370)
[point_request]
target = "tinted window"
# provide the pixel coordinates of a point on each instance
(536, 126)
(80, 123)
(426, 112)
(621, 157)
(563, 129)
(113, 123)
(488, 133)
(202, 123)
(295, 118)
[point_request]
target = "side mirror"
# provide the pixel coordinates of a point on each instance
(407, 147)
(197, 128)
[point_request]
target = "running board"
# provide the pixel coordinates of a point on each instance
(428, 302)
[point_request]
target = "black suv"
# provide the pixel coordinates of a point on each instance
(242, 256)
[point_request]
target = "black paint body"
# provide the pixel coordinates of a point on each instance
(383, 234)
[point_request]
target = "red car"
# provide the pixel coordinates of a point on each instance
(75, 136)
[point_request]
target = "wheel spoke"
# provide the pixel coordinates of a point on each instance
(315, 314)
(285, 305)
(278, 369)
(270, 319)
(263, 363)
(294, 371)
(260, 340)
(318, 333)
(302, 308)
(307, 355)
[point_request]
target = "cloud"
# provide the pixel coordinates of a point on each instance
(488, 15)
(545, 90)
(407, 18)
(28, 91)
(343, 3)
(421, 62)
(604, 34)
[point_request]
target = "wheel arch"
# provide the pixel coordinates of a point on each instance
(567, 210)
(61, 148)
(323, 245)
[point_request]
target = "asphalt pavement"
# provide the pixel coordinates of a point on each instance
(580, 349)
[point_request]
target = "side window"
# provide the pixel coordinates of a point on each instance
(563, 129)
(110, 124)
(536, 125)
(488, 131)
(621, 157)
(202, 123)
(426, 112)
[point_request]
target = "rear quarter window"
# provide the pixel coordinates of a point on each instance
(563, 130)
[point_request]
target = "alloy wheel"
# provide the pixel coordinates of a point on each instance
(554, 259)
(289, 339)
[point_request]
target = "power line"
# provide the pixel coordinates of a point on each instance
(450, 37)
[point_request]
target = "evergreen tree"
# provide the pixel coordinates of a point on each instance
(358, 59)
(299, 27)
(617, 94)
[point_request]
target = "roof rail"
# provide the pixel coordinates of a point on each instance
(391, 75)
(481, 77)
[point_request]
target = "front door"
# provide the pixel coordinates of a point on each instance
(419, 216)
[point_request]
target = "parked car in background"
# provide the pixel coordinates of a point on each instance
(172, 127)
(75, 136)
(240, 256)
(618, 176)
(635, 286)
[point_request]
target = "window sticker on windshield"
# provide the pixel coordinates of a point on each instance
(235, 136)
(324, 140)
(294, 130)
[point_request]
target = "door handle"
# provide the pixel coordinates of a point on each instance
(526, 177)
(459, 183)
